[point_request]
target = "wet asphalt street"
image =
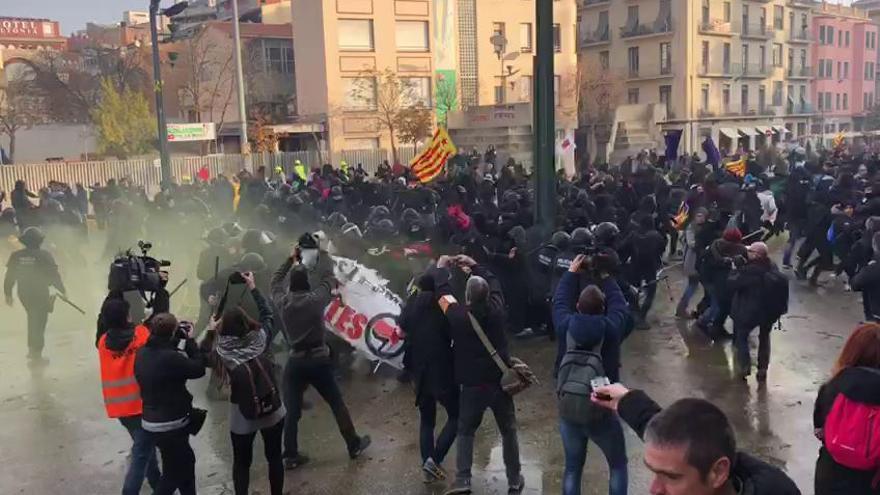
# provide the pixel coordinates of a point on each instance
(55, 438)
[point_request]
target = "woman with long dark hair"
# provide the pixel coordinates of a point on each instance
(855, 377)
(241, 346)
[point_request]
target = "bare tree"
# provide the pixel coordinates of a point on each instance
(19, 110)
(70, 82)
(414, 124)
(599, 91)
(387, 96)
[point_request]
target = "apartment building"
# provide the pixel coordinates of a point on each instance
(845, 55)
(340, 45)
(736, 70)
(871, 8)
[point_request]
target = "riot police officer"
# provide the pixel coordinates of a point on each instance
(33, 271)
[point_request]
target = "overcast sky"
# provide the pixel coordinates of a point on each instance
(73, 14)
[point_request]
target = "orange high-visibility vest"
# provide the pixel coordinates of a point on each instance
(122, 395)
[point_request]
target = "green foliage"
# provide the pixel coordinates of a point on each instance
(124, 124)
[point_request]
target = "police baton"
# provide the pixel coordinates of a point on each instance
(70, 303)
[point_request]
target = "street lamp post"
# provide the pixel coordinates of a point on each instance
(239, 79)
(544, 119)
(161, 124)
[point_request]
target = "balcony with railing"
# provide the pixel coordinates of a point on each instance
(599, 36)
(719, 27)
(718, 69)
(594, 3)
(801, 35)
(661, 26)
(662, 72)
(803, 72)
(800, 108)
(753, 70)
(757, 30)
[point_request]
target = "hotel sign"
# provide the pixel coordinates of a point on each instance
(11, 27)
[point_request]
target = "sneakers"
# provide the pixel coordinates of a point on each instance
(357, 450)
(526, 333)
(432, 471)
(459, 487)
(291, 463)
(516, 487)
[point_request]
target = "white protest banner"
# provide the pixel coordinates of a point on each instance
(365, 314)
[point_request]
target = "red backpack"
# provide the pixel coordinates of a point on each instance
(852, 435)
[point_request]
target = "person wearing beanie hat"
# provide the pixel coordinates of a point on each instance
(301, 305)
(715, 270)
(753, 293)
(33, 271)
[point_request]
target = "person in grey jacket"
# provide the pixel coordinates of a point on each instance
(302, 311)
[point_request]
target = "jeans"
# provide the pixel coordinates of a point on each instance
(473, 403)
(143, 458)
(650, 291)
(741, 345)
(688, 294)
(795, 232)
(298, 375)
(243, 454)
(178, 463)
(438, 449)
(608, 435)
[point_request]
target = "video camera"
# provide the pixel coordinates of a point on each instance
(130, 272)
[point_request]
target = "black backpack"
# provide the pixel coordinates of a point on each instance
(573, 388)
(775, 294)
(254, 389)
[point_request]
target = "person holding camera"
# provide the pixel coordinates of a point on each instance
(34, 271)
(309, 362)
(691, 448)
(162, 370)
(118, 342)
(241, 346)
(477, 374)
(594, 318)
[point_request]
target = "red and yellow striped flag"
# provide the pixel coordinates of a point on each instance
(428, 164)
(737, 168)
(680, 218)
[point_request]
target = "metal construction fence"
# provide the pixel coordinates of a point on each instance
(147, 172)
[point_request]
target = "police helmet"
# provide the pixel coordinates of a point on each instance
(336, 220)
(252, 262)
(351, 231)
(32, 237)
(606, 233)
(560, 239)
(216, 236)
(582, 236)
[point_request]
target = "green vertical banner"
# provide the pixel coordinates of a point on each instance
(445, 94)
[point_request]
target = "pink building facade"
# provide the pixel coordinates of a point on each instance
(845, 68)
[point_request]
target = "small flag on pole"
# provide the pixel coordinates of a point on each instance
(737, 168)
(680, 218)
(428, 164)
(838, 141)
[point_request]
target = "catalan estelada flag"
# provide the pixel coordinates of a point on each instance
(428, 164)
(737, 168)
(680, 218)
(838, 141)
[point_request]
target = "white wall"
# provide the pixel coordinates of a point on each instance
(51, 141)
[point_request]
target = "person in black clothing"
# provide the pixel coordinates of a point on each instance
(301, 308)
(33, 270)
(691, 448)
(867, 281)
(748, 310)
(475, 369)
(162, 372)
(429, 360)
(856, 376)
(645, 246)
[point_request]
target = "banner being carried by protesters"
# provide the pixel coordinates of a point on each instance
(365, 313)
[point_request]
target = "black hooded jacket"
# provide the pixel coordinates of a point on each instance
(754, 476)
(429, 353)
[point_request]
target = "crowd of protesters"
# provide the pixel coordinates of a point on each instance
(475, 271)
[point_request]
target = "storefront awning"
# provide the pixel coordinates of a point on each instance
(780, 129)
(748, 131)
(762, 129)
(727, 131)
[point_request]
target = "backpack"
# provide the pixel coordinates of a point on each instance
(775, 294)
(852, 435)
(254, 389)
(573, 388)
